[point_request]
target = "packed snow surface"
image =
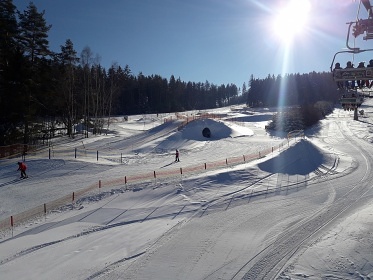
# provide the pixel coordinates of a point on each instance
(303, 211)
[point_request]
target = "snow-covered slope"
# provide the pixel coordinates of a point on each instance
(217, 224)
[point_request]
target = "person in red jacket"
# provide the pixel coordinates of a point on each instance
(22, 167)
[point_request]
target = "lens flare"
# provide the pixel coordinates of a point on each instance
(291, 19)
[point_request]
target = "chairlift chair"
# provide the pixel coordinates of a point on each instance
(359, 27)
(351, 98)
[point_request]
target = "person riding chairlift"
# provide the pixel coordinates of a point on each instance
(339, 83)
(368, 83)
(350, 84)
(360, 83)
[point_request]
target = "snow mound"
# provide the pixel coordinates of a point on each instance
(190, 137)
(219, 130)
(302, 158)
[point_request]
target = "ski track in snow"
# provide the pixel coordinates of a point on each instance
(239, 222)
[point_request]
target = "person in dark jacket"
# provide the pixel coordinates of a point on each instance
(22, 167)
(368, 83)
(360, 83)
(339, 83)
(350, 84)
(177, 156)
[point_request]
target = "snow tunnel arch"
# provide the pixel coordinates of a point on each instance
(206, 132)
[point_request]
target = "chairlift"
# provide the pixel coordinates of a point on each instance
(352, 98)
(359, 27)
(351, 101)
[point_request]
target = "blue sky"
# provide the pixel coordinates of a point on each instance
(221, 41)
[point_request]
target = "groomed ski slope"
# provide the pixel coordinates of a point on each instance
(220, 224)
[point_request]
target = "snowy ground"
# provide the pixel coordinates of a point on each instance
(302, 213)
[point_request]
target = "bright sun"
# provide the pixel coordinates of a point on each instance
(292, 19)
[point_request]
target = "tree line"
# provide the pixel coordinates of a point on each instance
(292, 89)
(42, 91)
(302, 99)
(41, 88)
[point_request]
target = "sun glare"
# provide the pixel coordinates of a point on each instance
(291, 19)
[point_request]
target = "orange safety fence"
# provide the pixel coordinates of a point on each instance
(54, 205)
(121, 182)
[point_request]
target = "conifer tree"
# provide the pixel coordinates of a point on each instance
(34, 34)
(68, 61)
(34, 44)
(10, 62)
(9, 32)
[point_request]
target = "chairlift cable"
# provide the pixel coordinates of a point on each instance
(357, 19)
(358, 11)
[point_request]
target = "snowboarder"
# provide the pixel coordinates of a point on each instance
(22, 167)
(177, 156)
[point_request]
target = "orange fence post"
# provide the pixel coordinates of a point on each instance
(146, 176)
(11, 223)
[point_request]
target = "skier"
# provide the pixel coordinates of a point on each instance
(22, 167)
(177, 156)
